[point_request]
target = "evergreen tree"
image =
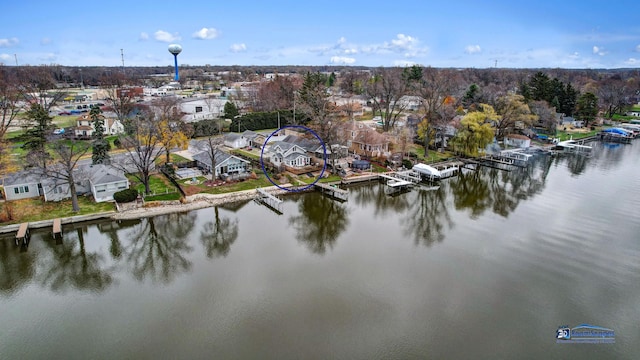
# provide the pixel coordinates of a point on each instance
(230, 110)
(100, 146)
(36, 137)
(587, 107)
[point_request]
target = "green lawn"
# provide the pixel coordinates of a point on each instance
(158, 184)
(63, 121)
(248, 184)
(163, 197)
(254, 154)
(331, 178)
(36, 209)
(434, 155)
(564, 135)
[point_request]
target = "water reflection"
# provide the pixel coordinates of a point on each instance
(428, 216)
(72, 266)
(16, 267)
(383, 204)
(157, 247)
(320, 222)
(218, 234)
(499, 190)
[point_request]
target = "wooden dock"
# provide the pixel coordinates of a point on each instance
(333, 190)
(22, 236)
(269, 200)
(409, 176)
(57, 228)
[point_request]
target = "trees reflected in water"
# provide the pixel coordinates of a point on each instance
(71, 266)
(158, 247)
(498, 190)
(218, 234)
(16, 267)
(428, 216)
(320, 222)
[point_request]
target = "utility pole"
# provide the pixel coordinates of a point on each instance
(16, 56)
(122, 56)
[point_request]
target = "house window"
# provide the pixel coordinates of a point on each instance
(21, 189)
(198, 109)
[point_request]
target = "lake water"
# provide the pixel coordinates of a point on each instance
(486, 266)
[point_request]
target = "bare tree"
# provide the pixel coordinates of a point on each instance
(63, 167)
(38, 86)
(546, 115)
(386, 89)
(316, 102)
(142, 148)
(120, 98)
(211, 146)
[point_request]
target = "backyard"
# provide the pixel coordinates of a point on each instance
(36, 209)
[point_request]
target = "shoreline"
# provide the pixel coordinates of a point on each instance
(193, 202)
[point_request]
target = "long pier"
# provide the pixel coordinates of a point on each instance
(269, 200)
(333, 190)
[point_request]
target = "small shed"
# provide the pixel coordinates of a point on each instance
(517, 140)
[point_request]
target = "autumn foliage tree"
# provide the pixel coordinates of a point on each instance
(475, 131)
(513, 113)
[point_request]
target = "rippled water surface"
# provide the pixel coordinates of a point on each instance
(486, 266)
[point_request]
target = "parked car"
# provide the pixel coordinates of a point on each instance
(58, 131)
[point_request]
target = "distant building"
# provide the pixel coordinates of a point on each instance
(517, 140)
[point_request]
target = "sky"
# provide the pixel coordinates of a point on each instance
(479, 34)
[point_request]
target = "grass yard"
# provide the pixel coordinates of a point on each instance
(434, 156)
(254, 154)
(36, 209)
(566, 135)
(163, 197)
(158, 184)
(248, 184)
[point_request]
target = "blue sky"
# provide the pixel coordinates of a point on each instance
(567, 34)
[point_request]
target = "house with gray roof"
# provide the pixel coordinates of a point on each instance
(288, 154)
(235, 140)
(104, 181)
(225, 163)
(21, 185)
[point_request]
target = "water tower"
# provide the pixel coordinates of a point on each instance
(175, 49)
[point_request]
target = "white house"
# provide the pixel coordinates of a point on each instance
(21, 185)
(202, 109)
(284, 153)
(84, 126)
(517, 140)
(104, 181)
(235, 140)
(225, 163)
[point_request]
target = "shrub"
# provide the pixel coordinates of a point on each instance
(407, 163)
(126, 195)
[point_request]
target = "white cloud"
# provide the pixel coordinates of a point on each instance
(638, 48)
(206, 34)
(350, 51)
(342, 60)
(164, 36)
(342, 40)
(238, 47)
(403, 42)
(144, 36)
(404, 63)
(632, 61)
(45, 41)
(9, 42)
(5, 57)
(472, 49)
(599, 51)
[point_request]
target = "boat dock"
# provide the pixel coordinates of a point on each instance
(614, 138)
(333, 191)
(22, 236)
(57, 228)
(271, 201)
(407, 175)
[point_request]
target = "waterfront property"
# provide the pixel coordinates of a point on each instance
(21, 185)
(225, 163)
